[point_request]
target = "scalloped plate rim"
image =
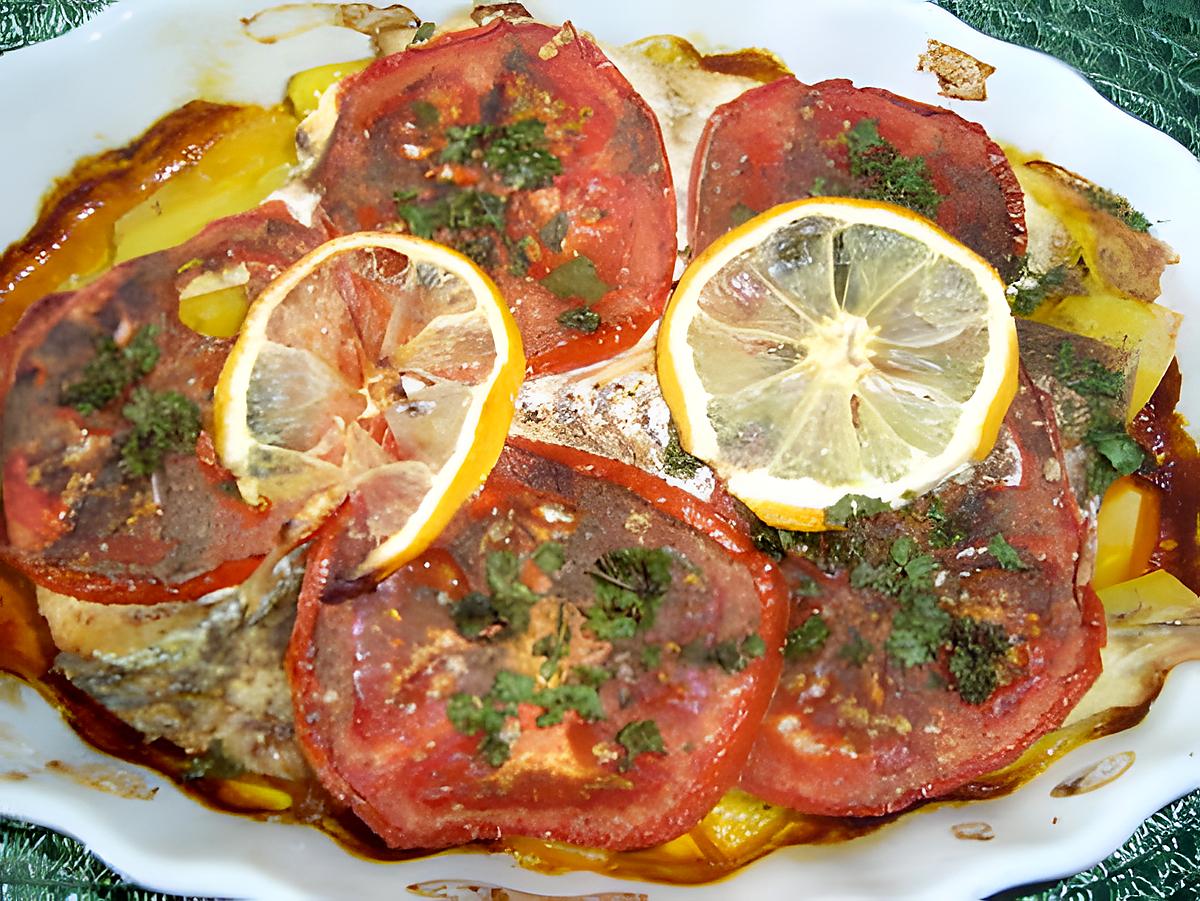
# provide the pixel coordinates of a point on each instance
(163, 853)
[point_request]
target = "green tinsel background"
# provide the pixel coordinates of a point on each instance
(1144, 55)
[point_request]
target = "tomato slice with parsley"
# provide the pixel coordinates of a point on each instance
(111, 487)
(571, 660)
(522, 146)
(787, 140)
(934, 644)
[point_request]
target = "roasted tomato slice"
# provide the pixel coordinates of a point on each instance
(958, 637)
(525, 148)
(787, 140)
(570, 660)
(77, 519)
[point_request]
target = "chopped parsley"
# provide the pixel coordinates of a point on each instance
(1116, 205)
(853, 506)
(904, 574)
(1031, 290)
(888, 175)
(979, 648)
(581, 319)
(919, 628)
(594, 676)
(806, 587)
(856, 650)
(1116, 453)
(806, 639)
(554, 232)
(774, 542)
(520, 253)
(629, 585)
(516, 153)
(425, 113)
(731, 655)
(677, 462)
(506, 610)
(945, 532)
(457, 210)
(164, 422)
(113, 369)
(1119, 454)
(554, 646)
(1006, 555)
(576, 277)
(583, 699)
(639, 737)
(549, 557)
(651, 656)
(423, 33)
(489, 713)
(1087, 377)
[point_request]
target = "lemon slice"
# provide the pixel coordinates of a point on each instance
(833, 347)
(379, 370)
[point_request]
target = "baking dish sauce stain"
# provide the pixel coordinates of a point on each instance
(76, 222)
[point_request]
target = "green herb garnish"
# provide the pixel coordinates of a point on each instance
(423, 33)
(490, 713)
(806, 639)
(594, 676)
(554, 646)
(1116, 205)
(854, 506)
(856, 650)
(164, 423)
(945, 532)
(919, 628)
(731, 655)
(582, 319)
(473, 714)
(554, 232)
(1087, 377)
(887, 174)
(1006, 555)
(629, 584)
(425, 113)
(516, 152)
(978, 649)
(1037, 288)
(676, 461)
(502, 613)
(576, 277)
(583, 699)
(1116, 453)
(549, 557)
(458, 210)
(112, 370)
(639, 737)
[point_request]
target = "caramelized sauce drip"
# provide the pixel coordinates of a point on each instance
(1160, 430)
(73, 239)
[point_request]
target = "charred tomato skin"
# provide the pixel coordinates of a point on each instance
(787, 140)
(612, 203)
(74, 520)
(372, 676)
(864, 735)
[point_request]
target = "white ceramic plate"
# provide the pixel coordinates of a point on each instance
(102, 84)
